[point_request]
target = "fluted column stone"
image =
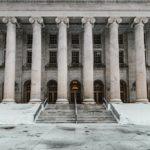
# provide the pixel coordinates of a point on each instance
(113, 24)
(36, 73)
(88, 79)
(141, 83)
(62, 60)
(9, 76)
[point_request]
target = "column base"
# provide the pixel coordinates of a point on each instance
(140, 100)
(8, 100)
(89, 101)
(62, 101)
(116, 100)
(33, 101)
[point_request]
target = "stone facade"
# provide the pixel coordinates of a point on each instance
(86, 20)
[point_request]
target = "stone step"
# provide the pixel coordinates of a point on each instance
(55, 113)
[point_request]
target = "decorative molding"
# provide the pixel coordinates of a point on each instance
(85, 20)
(13, 20)
(38, 20)
(62, 19)
(114, 20)
(139, 21)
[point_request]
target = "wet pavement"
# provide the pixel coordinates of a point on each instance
(74, 137)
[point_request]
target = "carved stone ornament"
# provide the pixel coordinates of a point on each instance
(9, 19)
(62, 19)
(114, 19)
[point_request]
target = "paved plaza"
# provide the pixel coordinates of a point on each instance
(73, 137)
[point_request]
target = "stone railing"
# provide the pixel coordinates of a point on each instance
(73, 1)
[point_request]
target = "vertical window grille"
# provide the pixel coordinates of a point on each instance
(97, 58)
(53, 59)
(121, 41)
(4, 40)
(29, 57)
(29, 41)
(75, 40)
(75, 58)
(53, 41)
(97, 40)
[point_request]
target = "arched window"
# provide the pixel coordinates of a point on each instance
(75, 91)
(98, 91)
(27, 91)
(123, 91)
(52, 91)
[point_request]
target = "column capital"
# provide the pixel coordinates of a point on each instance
(85, 20)
(62, 19)
(37, 20)
(140, 20)
(114, 20)
(12, 20)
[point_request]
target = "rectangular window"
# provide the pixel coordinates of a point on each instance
(97, 58)
(121, 39)
(29, 41)
(4, 39)
(29, 57)
(53, 41)
(121, 57)
(53, 59)
(97, 40)
(75, 58)
(75, 40)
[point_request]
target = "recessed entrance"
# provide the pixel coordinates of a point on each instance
(98, 91)
(27, 91)
(123, 91)
(52, 91)
(75, 91)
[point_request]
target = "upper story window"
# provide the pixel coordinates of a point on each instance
(75, 42)
(97, 58)
(29, 41)
(97, 40)
(121, 40)
(53, 58)
(75, 58)
(29, 57)
(53, 41)
(121, 57)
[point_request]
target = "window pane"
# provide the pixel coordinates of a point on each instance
(75, 40)
(97, 58)
(97, 40)
(53, 41)
(29, 57)
(53, 58)
(121, 39)
(75, 57)
(29, 41)
(121, 57)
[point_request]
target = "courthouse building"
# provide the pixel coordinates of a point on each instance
(99, 48)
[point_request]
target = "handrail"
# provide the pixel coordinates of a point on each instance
(40, 108)
(76, 110)
(106, 103)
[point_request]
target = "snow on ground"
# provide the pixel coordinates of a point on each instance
(74, 137)
(137, 113)
(17, 113)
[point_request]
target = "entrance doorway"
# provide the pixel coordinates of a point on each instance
(123, 91)
(27, 91)
(75, 90)
(52, 91)
(98, 91)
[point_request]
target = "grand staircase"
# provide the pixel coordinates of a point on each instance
(65, 113)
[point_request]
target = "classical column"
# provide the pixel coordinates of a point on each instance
(88, 60)
(113, 24)
(141, 86)
(36, 59)
(9, 78)
(62, 60)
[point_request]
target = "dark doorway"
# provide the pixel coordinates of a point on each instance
(52, 91)
(75, 90)
(123, 91)
(27, 91)
(98, 91)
